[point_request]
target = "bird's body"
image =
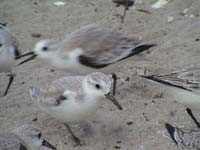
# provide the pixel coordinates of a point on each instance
(25, 137)
(76, 108)
(186, 139)
(10, 141)
(88, 49)
(74, 99)
(8, 53)
(184, 85)
(68, 99)
(8, 50)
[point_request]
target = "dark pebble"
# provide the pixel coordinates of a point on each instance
(35, 119)
(123, 2)
(127, 79)
(129, 123)
(51, 70)
(36, 35)
(117, 147)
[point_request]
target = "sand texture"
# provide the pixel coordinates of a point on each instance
(147, 106)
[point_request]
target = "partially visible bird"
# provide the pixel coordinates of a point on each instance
(184, 85)
(25, 137)
(8, 54)
(186, 139)
(73, 99)
(87, 50)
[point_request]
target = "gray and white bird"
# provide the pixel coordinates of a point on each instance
(25, 137)
(184, 85)
(87, 50)
(186, 139)
(8, 54)
(73, 99)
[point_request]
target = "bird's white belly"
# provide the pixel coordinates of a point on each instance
(6, 63)
(71, 111)
(72, 64)
(189, 99)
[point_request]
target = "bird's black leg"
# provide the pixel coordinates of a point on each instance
(189, 111)
(11, 78)
(75, 138)
(114, 76)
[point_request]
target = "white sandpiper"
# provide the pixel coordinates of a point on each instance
(73, 99)
(8, 54)
(25, 137)
(88, 49)
(184, 85)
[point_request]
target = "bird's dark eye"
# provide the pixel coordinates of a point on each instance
(1, 44)
(97, 86)
(45, 48)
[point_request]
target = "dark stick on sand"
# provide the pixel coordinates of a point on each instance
(125, 9)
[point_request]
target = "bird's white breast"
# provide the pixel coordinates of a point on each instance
(74, 111)
(69, 61)
(6, 61)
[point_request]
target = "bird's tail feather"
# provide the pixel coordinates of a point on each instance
(171, 130)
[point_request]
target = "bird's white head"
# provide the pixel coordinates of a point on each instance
(46, 49)
(97, 84)
(32, 137)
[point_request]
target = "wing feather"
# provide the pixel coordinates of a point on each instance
(53, 94)
(102, 46)
(187, 79)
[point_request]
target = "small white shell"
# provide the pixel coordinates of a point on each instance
(59, 3)
(160, 3)
(170, 19)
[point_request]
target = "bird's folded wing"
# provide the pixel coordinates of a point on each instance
(187, 78)
(102, 47)
(59, 90)
(11, 142)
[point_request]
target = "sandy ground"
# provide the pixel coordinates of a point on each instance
(147, 106)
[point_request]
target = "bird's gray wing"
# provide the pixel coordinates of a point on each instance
(103, 46)
(53, 94)
(11, 142)
(188, 79)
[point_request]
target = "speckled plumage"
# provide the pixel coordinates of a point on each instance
(73, 99)
(186, 139)
(11, 141)
(184, 85)
(25, 137)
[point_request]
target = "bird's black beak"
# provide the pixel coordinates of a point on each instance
(33, 56)
(171, 131)
(112, 98)
(47, 144)
(17, 53)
